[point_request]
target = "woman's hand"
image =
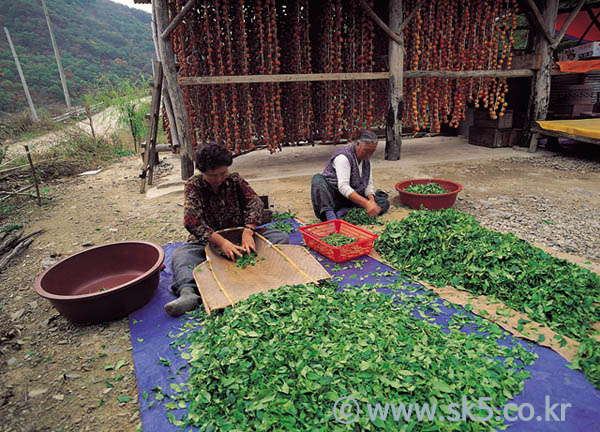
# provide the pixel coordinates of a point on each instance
(372, 208)
(248, 244)
(230, 250)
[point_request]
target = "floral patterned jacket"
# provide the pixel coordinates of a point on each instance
(234, 204)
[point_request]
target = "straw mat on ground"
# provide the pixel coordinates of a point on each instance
(222, 284)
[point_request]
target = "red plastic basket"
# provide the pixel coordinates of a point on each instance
(364, 239)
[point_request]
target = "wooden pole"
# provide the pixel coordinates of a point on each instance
(567, 23)
(154, 122)
(393, 142)
(25, 88)
(57, 55)
(167, 57)
(166, 99)
(540, 19)
(392, 34)
(410, 16)
(539, 97)
(37, 189)
(152, 126)
(180, 17)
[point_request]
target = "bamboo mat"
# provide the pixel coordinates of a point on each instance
(222, 284)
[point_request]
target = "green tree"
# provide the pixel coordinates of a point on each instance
(90, 35)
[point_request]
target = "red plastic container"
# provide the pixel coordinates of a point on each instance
(429, 201)
(364, 239)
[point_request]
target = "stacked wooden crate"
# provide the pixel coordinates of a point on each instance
(570, 95)
(489, 132)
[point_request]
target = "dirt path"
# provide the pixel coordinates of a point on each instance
(53, 372)
(104, 122)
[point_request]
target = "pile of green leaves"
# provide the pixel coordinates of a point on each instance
(359, 216)
(588, 360)
(248, 260)
(427, 188)
(447, 247)
(283, 226)
(281, 359)
(338, 240)
(277, 216)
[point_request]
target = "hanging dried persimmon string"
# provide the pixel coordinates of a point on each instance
(269, 37)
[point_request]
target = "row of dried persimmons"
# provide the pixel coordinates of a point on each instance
(269, 37)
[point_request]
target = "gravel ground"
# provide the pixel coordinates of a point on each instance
(565, 222)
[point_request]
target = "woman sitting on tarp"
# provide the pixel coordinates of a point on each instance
(347, 182)
(214, 200)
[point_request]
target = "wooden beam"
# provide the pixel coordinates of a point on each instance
(410, 17)
(247, 79)
(538, 130)
(180, 17)
(594, 18)
(253, 79)
(527, 61)
(540, 21)
(515, 73)
(159, 148)
(9, 171)
(182, 121)
(380, 23)
(393, 138)
(593, 22)
(591, 5)
(566, 24)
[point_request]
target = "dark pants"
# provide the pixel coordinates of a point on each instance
(326, 197)
(189, 255)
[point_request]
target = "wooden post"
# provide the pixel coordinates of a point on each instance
(166, 99)
(155, 115)
(25, 88)
(393, 142)
(182, 122)
(566, 24)
(147, 167)
(539, 98)
(37, 189)
(57, 55)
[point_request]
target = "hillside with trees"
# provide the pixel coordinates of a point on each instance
(97, 39)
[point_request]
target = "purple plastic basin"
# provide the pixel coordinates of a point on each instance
(104, 282)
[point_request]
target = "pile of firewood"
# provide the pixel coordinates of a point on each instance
(11, 243)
